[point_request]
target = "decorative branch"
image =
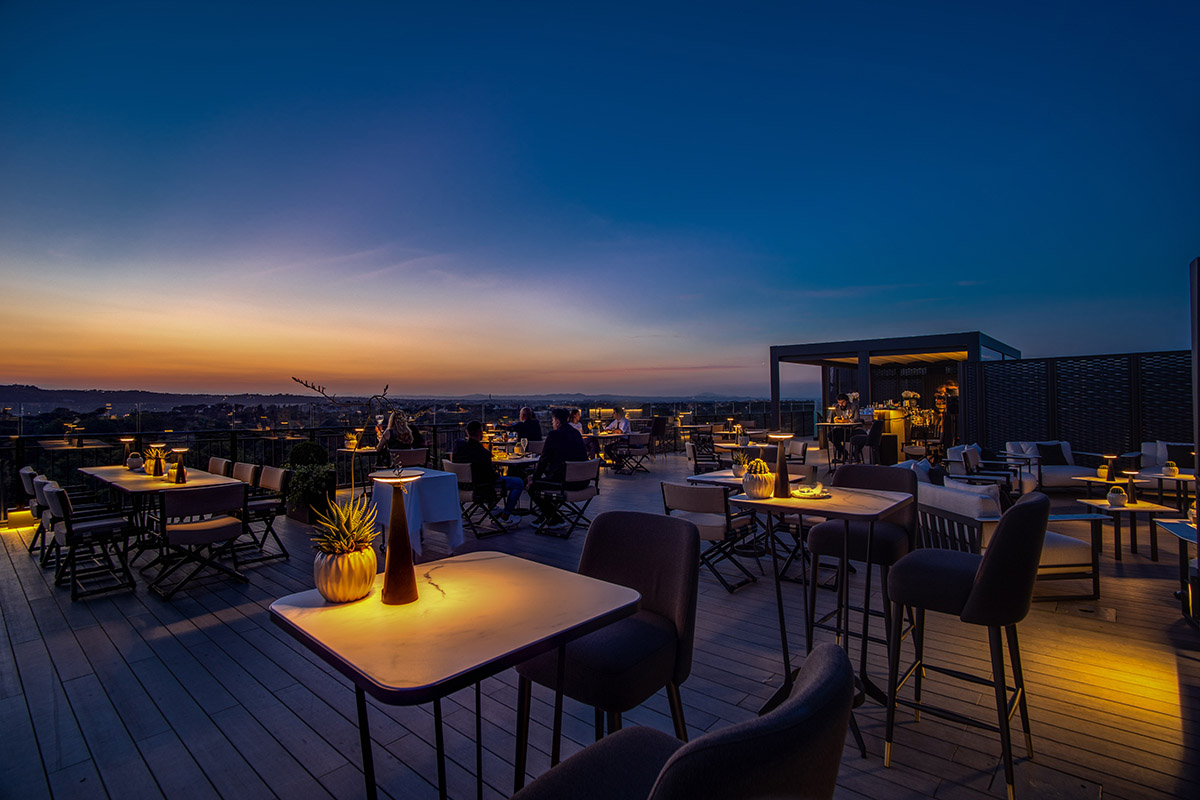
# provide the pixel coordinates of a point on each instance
(380, 399)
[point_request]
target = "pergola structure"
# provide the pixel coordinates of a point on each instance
(858, 359)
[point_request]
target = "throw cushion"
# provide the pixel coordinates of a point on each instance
(1052, 454)
(1163, 447)
(937, 475)
(919, 466)
(991, 491)
(1181, 454)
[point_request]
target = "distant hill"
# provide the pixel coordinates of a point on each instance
(35, 399)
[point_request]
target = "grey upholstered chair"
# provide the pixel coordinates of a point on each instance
(219, 466)
(198, 527)
(88, 548)
(263, 507)
(794, 751)
(623, 664)
(994, 590)
(246, 473)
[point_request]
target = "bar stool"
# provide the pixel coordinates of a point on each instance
(994, 590)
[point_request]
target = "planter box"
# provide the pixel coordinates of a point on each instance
(302, 511)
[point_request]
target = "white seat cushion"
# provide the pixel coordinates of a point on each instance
(711, 526)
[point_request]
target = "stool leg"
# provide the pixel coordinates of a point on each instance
(614, 721)
(676, 703)
(1014, 656)
(996, 645)
(893, 678)
(811, 612)
(599, 724)
(919, 647)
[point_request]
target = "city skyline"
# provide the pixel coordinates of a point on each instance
(557, 200)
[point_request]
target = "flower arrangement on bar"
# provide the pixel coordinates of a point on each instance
(345, 565)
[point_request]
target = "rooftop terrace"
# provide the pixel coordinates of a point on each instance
(129, 696)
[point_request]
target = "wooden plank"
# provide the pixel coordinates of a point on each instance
(117, 758)
(59, 739)
(21, 771)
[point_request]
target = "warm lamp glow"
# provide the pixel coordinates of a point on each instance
(780, 436)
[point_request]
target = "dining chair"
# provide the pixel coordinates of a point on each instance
(246, 473)
(89, 547)
(415, 457)
(868, 442)
(793, 751)
(631, 454)
(263, 506)
(623, 664)
(707, 507)
(219, 466)
(993, 590)
(198, 527)
(479, 501)
(37, 508)
(570, 499)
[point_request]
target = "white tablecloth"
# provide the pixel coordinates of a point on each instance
(430, 502)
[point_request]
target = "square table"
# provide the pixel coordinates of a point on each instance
(477, 615)
(725, 479)
(846, 504)
(1182, 490)
(1189, 581)
(1132, 509)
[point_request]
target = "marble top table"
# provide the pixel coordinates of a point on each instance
(430, 502)
(1189, 581)
(1132, 509)
(477, 614)
(1182, 490)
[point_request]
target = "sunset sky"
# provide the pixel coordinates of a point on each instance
(509, 198)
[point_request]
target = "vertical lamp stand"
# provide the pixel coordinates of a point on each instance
(399, 576)
(783, 484)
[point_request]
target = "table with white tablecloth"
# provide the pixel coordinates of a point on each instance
(431, 502)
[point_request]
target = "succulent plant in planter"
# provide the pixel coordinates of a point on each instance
(1117, 497)
(740, 462)
(156, 461)
(1170, 469)
(758, 482)
(345, 565)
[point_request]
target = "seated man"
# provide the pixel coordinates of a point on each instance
(483, 472)
(563, 444)
(619, 424)
(527, 427)
(844, 411)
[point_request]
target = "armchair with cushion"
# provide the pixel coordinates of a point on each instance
(1053, 463)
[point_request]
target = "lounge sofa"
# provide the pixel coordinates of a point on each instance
(1155, 454)
(1051, 476)
(961, 516)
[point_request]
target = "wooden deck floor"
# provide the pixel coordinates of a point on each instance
(128, 696)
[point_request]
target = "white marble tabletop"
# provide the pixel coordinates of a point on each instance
(724, 477)
(477, 614)
(1140, 507)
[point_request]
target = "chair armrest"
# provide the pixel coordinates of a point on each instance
(1084, 453)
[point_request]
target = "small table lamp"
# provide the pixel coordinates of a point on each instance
(1130, 475)
(783, 484)
(1112, 468)
(128, 442)
(399, 576)
(180, 470)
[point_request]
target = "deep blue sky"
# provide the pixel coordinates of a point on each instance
(508, 198)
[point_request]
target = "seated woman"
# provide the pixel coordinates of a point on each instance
(397, 436)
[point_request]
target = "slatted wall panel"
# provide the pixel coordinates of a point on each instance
(1166, 389)
(1015, 401)
(1094, 404)
(968, 408)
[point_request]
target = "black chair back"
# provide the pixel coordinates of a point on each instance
(657, 556)
(1003, 590)
(875, 435)
(887, 479)
(794, 751)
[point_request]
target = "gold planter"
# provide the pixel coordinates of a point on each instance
(345, 577)
(758, 487)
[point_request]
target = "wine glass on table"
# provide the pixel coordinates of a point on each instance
(524, 445)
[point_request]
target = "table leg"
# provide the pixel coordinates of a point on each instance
(364, 740)
(1133, 547)
(524, 696)
(1116, 536)
(1153, 536)
(478, 740)
(1184, 579)
(782, 693)
(441, 747)
(556, 743)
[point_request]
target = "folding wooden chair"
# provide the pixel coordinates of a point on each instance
(215, 518)
(707, 507)
(263, 507)
(91, 545)
(478, 501)
(569, 499)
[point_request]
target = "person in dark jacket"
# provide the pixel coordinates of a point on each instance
(563, 444)
(483, 471)
(528, 427)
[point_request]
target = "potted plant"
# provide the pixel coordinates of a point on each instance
(1170, 469)
(740, 461)
(345, 565)
(758, 482)
(313, 482)
(1117, 497)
